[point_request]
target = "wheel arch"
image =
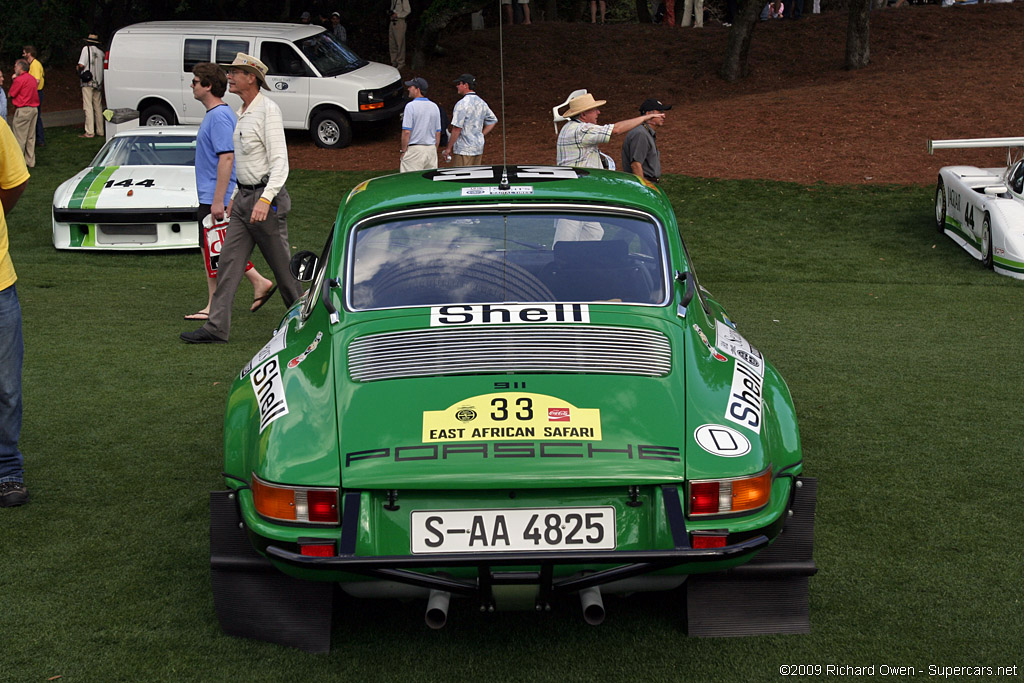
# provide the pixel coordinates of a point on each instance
(157, 101)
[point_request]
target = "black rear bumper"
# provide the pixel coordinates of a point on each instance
(493, 568)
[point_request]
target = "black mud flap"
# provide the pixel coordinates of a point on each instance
(255, 600)
(768, 595)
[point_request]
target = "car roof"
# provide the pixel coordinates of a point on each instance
(151, 131)
(227, 28)
(480, 185)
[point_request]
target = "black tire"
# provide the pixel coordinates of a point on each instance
(331, 130)
(433, 280)
(986, 242)
(157, 115)
(940, 206)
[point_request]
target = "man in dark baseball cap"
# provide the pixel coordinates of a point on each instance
(468, 79)
(640, 154)
(652, 104)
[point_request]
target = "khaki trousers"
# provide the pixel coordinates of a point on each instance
(24, 129)
(419, 158)
(396, 43)
(92, 103)
(466, 160)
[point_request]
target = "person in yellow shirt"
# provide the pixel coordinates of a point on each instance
(35, 67)
(13, 178)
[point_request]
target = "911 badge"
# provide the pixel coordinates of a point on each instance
(511, 416)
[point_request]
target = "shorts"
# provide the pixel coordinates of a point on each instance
(521, 2)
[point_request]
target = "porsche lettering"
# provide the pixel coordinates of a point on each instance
(541, 449)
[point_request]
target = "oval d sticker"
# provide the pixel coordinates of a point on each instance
(721, 440)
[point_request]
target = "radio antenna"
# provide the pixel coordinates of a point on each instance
(503, 184)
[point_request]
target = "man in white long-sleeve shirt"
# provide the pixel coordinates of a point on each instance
(260, 205)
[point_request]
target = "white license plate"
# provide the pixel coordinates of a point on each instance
(483, 531)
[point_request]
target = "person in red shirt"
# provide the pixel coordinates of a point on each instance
(24, 96)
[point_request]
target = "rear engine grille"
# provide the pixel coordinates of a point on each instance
(537, 349)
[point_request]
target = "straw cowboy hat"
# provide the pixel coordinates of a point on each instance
(93, 38)
(250, 64)
(578, 105)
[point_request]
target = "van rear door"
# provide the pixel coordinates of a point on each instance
(217, 49)
(288, 75)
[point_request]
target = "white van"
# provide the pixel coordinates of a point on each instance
(320, 84)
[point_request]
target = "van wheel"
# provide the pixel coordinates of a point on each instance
(331, 130)
(157, 115)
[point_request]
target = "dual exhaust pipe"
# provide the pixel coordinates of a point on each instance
(436, 615)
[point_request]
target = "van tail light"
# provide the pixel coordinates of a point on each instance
(106, 60)
(730, 496)
(301, 504)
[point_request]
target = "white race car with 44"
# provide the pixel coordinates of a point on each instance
(982, 209)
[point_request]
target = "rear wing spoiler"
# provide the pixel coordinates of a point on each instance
(974, 142)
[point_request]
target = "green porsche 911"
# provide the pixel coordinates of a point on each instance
(506, 386)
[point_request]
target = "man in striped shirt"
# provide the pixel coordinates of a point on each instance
(260, 205)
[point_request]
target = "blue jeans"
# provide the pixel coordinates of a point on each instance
(12, 352)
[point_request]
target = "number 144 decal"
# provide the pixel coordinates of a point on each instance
(128, 182)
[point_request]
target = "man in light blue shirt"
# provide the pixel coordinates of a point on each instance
(472, 119)
(421, 129)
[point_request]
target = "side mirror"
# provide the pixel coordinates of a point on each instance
(303, 265)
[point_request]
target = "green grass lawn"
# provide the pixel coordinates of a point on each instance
(903, 354)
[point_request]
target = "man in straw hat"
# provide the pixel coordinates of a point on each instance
(577, 146)
(579, 138)
(260, 204)
(91, 60)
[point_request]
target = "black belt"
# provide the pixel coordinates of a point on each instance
(251, 188)
(652, 178)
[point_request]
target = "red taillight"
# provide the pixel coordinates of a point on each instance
(730, 496)
(302, 504)
(106, 60)
(318, 549)
(708, 541)
(323, 506)
(704, 498)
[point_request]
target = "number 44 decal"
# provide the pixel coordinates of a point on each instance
(128, 182)
(969, 216)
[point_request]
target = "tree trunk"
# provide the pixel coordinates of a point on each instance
(735, 65)
(643, 12)
(550, 10)
(858, 34)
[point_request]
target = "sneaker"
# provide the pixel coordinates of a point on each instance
(13, 493)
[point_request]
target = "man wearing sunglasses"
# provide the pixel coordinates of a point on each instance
(215, 174)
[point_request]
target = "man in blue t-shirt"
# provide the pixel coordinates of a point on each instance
(215, 176)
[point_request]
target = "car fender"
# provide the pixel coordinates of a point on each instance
(740, 412)
(280, 421)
